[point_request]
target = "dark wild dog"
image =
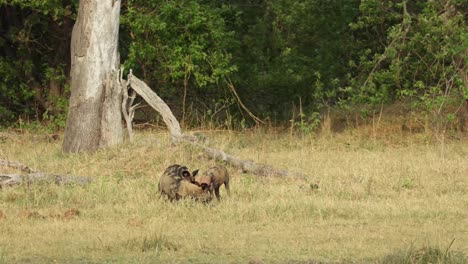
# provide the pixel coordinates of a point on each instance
(170, 181)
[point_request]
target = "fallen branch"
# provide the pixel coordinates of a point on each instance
(173, 126)
(247, 166)
(157, 103)
(160, 106)
(239, 101)
(34, 176)
(16, 179)
(17, 165)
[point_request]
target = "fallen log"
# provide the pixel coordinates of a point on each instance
(247, 166)
(16, 165)
(16, 179)
(34, 176)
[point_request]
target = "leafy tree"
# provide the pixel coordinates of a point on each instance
(286, 45)
(178, 47)
(421, 59)
(34, 57)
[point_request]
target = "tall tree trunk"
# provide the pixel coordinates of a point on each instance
(94, 119)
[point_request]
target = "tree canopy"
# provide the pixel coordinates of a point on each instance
(325, 53)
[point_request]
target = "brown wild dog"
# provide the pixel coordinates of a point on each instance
(169, 182)
(213, 178)
(191, 190)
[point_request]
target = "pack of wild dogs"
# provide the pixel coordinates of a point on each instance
(178, 182)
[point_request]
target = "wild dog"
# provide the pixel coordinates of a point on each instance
(213, 178)
(171, 179)
(191, 190)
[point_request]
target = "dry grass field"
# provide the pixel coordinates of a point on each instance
(390, 200)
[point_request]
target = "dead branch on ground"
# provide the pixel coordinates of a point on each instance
(34, 176)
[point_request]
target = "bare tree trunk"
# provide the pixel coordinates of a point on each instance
(94, 118)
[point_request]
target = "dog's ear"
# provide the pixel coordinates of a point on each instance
(194, 173)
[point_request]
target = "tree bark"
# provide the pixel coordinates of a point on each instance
(94, 119)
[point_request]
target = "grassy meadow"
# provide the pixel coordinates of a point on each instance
(388, 200)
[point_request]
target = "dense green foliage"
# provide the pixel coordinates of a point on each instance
(34, 58)
(422, 59)
(178, 47)
(351, 54)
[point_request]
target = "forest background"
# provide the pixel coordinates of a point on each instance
(309, 64)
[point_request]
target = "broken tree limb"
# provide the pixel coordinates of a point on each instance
(247, 166)
(17, 165)
(158, 104)
(239, 101)
(34, 176)
(173, 126)
(128, 110)
(16, 179)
